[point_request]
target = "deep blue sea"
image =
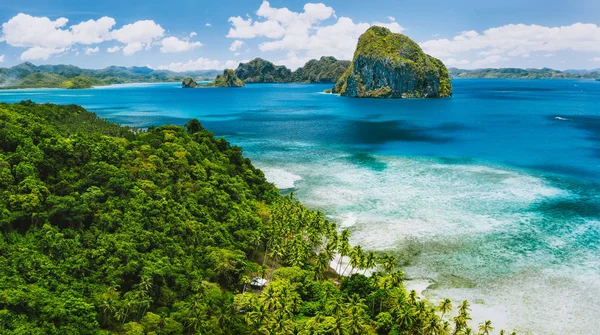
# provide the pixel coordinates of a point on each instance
(492, 195)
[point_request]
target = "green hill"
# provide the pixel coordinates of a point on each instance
(324, 70)
(28, 75)
(516, 73)
(259, 70)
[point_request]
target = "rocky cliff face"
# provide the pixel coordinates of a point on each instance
(324, 70)
(259, 70)
(388, 65)
(227, 79)
(189, 83)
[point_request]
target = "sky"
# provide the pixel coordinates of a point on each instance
(206, 34)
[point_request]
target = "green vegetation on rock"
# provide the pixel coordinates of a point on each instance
(259, 70)
(106, 229)
(389, 65)
(227, 79)
(324, 70)
(189, 83)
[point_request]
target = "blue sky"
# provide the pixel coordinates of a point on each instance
(193, 35)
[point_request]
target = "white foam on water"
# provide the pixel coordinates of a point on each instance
(281, 178)
(469, 223)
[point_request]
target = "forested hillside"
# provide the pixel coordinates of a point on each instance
(28, 75)
(107, 229)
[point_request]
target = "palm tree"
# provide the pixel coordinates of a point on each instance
(343, 247)
(485, 328)
(388, 262)
(445, 306)
(244, 280)
(321, 265)
(396, 278)
(369, 261)
(356, 318)
(356, 257)
(464, 308)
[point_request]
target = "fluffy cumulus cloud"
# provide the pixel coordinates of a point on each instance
(498, 46)
(208, 25)
(114, 49)
(43, 37)
(235, 45)
(173, 44)
(314, 32)
(193, 34)
(138, 35)
(90, 51)
(199, 64)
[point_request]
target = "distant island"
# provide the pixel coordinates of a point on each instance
(389, 65)
(325, 70)
(227, 79)
(28, 75)
(515, 73)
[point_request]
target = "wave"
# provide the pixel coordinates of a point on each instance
(281, 178)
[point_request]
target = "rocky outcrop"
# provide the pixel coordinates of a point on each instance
(227, 79)
(189, 83)
(259, 70)
(325, 70)
(389, 65)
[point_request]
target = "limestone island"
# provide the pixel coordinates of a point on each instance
(227, 79)
(389, 65)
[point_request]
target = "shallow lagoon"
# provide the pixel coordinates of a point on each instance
(492, 195)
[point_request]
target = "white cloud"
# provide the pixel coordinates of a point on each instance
(208, 25)
(91, 51)
(132, 48)
(1, 58)
(249, 29)
(199, 64)
(114, 49)
(232, 64)
(173, 44)
(303, 35)
(41, 35)
(489, 60)
(235, 45)
(193, 34)
(91, 32)
(138, 35)
(40, 53)
(499, 44)
(596, 59)
(452, 62)
(44, 37)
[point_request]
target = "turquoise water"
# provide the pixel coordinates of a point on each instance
(492, 195)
